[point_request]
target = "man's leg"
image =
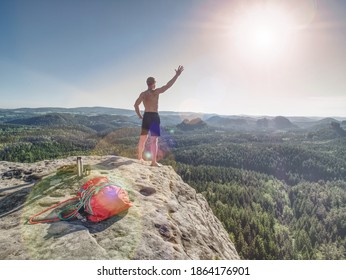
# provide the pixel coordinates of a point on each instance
(141, 145)
(154, 147)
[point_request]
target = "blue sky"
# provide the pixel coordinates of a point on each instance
(72, 53)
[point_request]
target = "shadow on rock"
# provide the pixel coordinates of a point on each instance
(112, 163)
(14, 201)
(101, 226)
(15, 187)
(60, 229)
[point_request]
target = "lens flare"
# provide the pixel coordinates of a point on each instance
(190, 105)
(147, 155)
(166, 144)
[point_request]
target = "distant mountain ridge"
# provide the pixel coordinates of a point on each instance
(99, 123)
(107, 118)
(193, 124)
(226, 122)
(53, 119)
(119, 111)
(77, 110)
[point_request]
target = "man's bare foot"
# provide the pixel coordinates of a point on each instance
(156, 164)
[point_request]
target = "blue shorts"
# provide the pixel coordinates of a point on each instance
(151, 122)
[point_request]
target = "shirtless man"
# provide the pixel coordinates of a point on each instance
(151, 119)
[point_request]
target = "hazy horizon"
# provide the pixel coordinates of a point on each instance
(186, 112)
(253, 58)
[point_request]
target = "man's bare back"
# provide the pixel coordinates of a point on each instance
(150, 100)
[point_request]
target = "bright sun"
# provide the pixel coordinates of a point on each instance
(262, 31)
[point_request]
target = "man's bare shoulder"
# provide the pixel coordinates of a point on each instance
(150, 92)
(142, 94)
(157, 91)
(145, 92)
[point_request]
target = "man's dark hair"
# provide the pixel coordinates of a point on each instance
(151, 81)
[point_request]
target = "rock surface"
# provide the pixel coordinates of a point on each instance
(168, 219)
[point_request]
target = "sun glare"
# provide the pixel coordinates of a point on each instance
(265, 37)
(262, 31)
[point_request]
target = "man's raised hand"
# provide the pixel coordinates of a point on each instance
(179, 70)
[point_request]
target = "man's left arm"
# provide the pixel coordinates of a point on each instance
(138, 101)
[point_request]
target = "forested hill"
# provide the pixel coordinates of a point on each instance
(291, 163)
(278, 196)
(101, 124)
(267, 219)
(77, 110)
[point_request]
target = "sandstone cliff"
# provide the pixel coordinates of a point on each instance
(168, 220)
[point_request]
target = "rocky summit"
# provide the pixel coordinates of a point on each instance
(168, 219)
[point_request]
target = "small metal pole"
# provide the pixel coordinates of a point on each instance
(79, 167)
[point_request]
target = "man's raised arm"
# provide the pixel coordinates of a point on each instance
(172, 81)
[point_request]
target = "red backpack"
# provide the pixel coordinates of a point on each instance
(98, 198)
